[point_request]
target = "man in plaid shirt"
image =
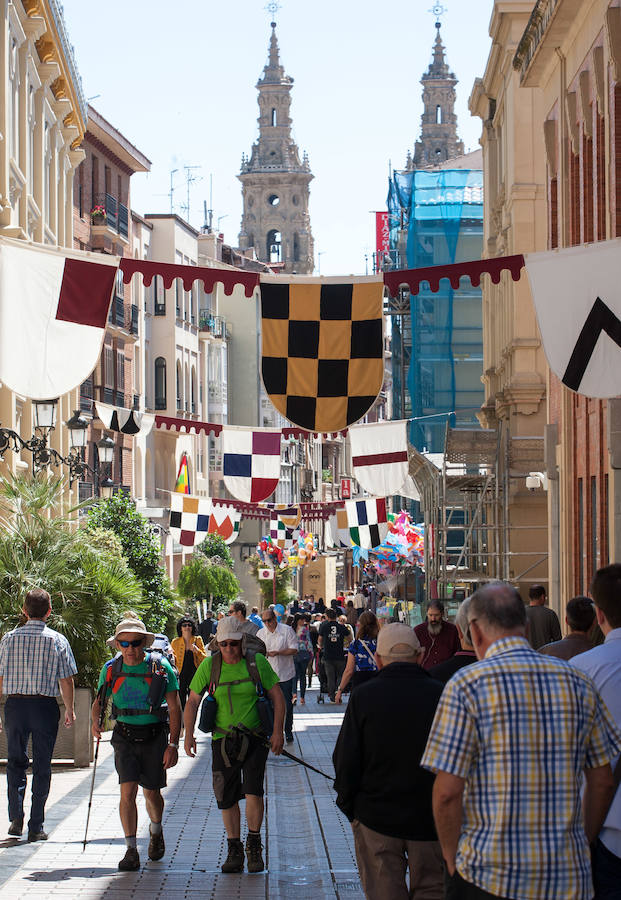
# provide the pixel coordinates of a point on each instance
(36, 664)
(511, 739)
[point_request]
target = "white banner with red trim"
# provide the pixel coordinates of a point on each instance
(379, 455)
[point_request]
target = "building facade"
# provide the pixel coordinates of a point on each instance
(514, 367)
(43, 117)
(102, 223)
(570, 54)
(275, 183)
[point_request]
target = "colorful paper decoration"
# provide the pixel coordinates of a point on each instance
(182, 485)
(322, 350)
(251, 463)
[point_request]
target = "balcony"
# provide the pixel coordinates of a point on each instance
(116, 217)
(119, 398)
(136, 401)
(132, 324)
(86, 396)
(213, 325)
(108, 395)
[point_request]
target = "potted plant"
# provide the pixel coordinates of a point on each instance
(98, 215)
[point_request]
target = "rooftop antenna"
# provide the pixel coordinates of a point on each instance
(189, 180)
(171, 192)
(209, 212)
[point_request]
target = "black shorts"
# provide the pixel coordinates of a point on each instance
(140, 760)
(228, 785)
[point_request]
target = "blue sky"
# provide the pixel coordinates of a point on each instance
(178, 80)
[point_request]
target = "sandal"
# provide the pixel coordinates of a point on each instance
(302, 701)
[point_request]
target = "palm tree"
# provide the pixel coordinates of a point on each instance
(86, 576)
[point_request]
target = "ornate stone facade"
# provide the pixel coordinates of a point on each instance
(275, 183)
(438, 141)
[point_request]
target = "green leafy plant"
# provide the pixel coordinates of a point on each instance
(201, 578)
(85, 574)
(141, 549)
(215, 548)
(283, 583)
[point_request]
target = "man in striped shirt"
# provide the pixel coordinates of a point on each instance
(35, 663)
(512, 737)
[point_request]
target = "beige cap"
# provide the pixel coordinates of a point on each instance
(397, 635)
(132, 626)
(229, 628)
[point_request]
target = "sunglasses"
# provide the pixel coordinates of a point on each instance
(186, 624)
(136, 643)
(229, 643)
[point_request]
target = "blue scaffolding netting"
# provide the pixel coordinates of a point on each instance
(436, 218)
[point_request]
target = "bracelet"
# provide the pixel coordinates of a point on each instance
(174, 746)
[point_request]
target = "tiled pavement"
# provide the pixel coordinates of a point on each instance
(308, 842)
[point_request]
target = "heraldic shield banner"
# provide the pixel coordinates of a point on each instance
(323, 355)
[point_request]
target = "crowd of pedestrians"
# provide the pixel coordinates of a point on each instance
(475, 760)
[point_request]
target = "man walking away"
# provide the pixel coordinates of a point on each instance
(603, 664)
(437, 637)
(579, 615)
(238, 610)
(281, 644)
(138, 684)
(464, 657)
(380, 785)
(511, 739)
(332, 636)
(207, 628)
(35, 664)
(543, 623)
(238, 763)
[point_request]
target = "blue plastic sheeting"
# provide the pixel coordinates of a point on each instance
(437, 219)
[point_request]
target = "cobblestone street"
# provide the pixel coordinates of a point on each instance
(308, 843)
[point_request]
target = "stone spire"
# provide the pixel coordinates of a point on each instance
(439, 141)
(275, 192)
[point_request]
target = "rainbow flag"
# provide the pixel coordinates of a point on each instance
(183, 477)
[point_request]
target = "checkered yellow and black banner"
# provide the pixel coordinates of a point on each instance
(323, 356)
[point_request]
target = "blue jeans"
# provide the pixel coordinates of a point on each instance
(301, 667)
(606, 873)
(25, 717)
(287, 690)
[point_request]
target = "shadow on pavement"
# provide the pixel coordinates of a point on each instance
(66, 874)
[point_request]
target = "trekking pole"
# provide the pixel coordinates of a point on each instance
(241, 729)
(102, 708)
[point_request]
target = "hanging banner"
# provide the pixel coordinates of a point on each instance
(182, 485)
(250, 463)
(379, 455)
(225, 521)
(577, 296)
(125, 421)
(367, 521)
(53, 314)
(189, 519)
(322, 357)
(382, 238)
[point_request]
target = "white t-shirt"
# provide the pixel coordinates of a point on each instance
(282, 638)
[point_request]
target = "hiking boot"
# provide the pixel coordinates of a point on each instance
(253, 853)
(156, 845)
(235, 860)
(16, 827)
(131, 860)
(37, 836)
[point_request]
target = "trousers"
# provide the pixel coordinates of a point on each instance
(26, 717)
(334, 672)
(287, 690)
(383, 861)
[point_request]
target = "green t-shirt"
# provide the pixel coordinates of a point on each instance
(241, 706)
(131, 693)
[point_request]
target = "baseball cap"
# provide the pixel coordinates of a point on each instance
(229, 629)
(397, 635)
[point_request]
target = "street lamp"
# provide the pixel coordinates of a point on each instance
(105, 448)
(44, 415)
(77, 426)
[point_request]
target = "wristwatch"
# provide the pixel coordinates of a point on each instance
(174, 746)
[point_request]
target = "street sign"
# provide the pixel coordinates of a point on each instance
(266, 574)
(345, 488)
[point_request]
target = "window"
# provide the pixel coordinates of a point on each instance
(594, 565)
(273, 199)
(296, 248)
(580, 586)
(274, 117)
(438, 114)
(160, 383)
(274, 246)
(159, 296)
(179, 388)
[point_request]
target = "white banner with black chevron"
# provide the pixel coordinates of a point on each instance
(126, 421)
(577, 296)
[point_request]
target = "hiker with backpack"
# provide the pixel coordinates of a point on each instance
(239, 682)
(145, 703)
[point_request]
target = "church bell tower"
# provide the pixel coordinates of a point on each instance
(275, 184)
(438, 140)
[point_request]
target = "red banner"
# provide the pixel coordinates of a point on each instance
(382, 237)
